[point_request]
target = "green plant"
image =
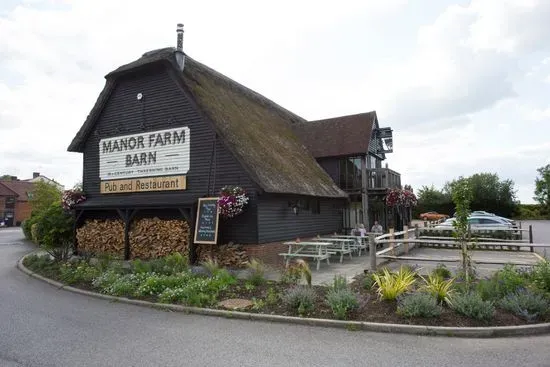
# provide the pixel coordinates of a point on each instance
(139, 267)
(509, 280)
(339, 282)
(438, 287)
(258, 304)
(442, 271)
(368, 281)
(211, 265)
(198, 291)
(249, 286)
(418, 305)
(80, 272)
(297, 271)
(272, 297)
(525, 304)
(55, 232)
(155, 284)
(472, 305)
(541, 275)
(176, 263)
(487, 289)
(392, 284)
(257, 272)
(37, 262)
(124, 285)
(461, 193)
(301, 299)
(341, 301)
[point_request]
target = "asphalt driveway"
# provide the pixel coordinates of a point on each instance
(43, 326)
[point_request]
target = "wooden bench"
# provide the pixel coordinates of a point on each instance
(340, 246)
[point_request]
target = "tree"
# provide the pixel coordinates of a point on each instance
(44, 195)
(432, 199)
(462, 195)
(489, 193)
(55, 231)
(542, 188)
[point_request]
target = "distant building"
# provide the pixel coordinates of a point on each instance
(15, 196)
(36, 176)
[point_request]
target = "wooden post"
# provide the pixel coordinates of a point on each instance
(531, 236)
(372, 254)
(392, 238)
(425, 224)
(406, 237)
(364, 192)
(417, 234)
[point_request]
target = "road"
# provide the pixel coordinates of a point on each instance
(43, 326)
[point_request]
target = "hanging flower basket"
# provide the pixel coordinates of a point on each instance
(232, 201)
(70, 198)
(401, 198)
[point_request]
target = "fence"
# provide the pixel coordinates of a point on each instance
(402, 242)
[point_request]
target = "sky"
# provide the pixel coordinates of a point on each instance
(463, 84)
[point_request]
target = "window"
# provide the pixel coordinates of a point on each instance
(350, 173)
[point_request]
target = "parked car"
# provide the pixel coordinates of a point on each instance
(479, 222)
(433, 216)
(492, 215)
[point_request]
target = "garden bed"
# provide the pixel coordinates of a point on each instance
(511, 297)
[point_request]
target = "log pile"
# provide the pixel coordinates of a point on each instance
(101, 236)
(152, 238)
(229, 255)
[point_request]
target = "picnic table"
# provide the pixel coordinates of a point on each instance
(316, 250)
(339, 245)
(360, 243)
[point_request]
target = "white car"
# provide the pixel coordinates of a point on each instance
(479, 222)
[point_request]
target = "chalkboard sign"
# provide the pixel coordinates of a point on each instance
(206, 227)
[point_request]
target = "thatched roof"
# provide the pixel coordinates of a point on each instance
(339, 136)
(255, 129)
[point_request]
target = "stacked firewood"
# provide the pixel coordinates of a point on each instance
(101, 237)
(152, 238)
(229, 255)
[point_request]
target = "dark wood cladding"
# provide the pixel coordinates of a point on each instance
(165, 105)
(277, 221)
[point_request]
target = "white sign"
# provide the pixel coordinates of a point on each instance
(154, 153)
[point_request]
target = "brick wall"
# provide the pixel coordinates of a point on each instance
(22, 211)
(268, 253)
(2, 206)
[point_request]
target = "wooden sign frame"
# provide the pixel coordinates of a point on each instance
(198, 218)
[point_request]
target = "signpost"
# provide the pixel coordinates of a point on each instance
(206, 227)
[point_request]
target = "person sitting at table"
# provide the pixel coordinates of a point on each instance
(360, 230)
(377, 228)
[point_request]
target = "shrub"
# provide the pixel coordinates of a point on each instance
(439, 288)
(116, 284)
(418, 305)
(155, 284)
(272, 297)
(37, 262)
(525, 304)
(301, 299)
(55, 232)
(198, 291)
(211, 266)
(341, 301)
(257, 272)
(509, 280)
(81, 272)
(368, 282)
(295, 272)
(139, 267)
(472, 305)
(176, 263)
(339, 282)
(26, 227)
(392, 284)
(541, 275)
(442, 271)
(487, 289)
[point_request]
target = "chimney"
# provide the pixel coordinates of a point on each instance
(180, 57)
(35, 174)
